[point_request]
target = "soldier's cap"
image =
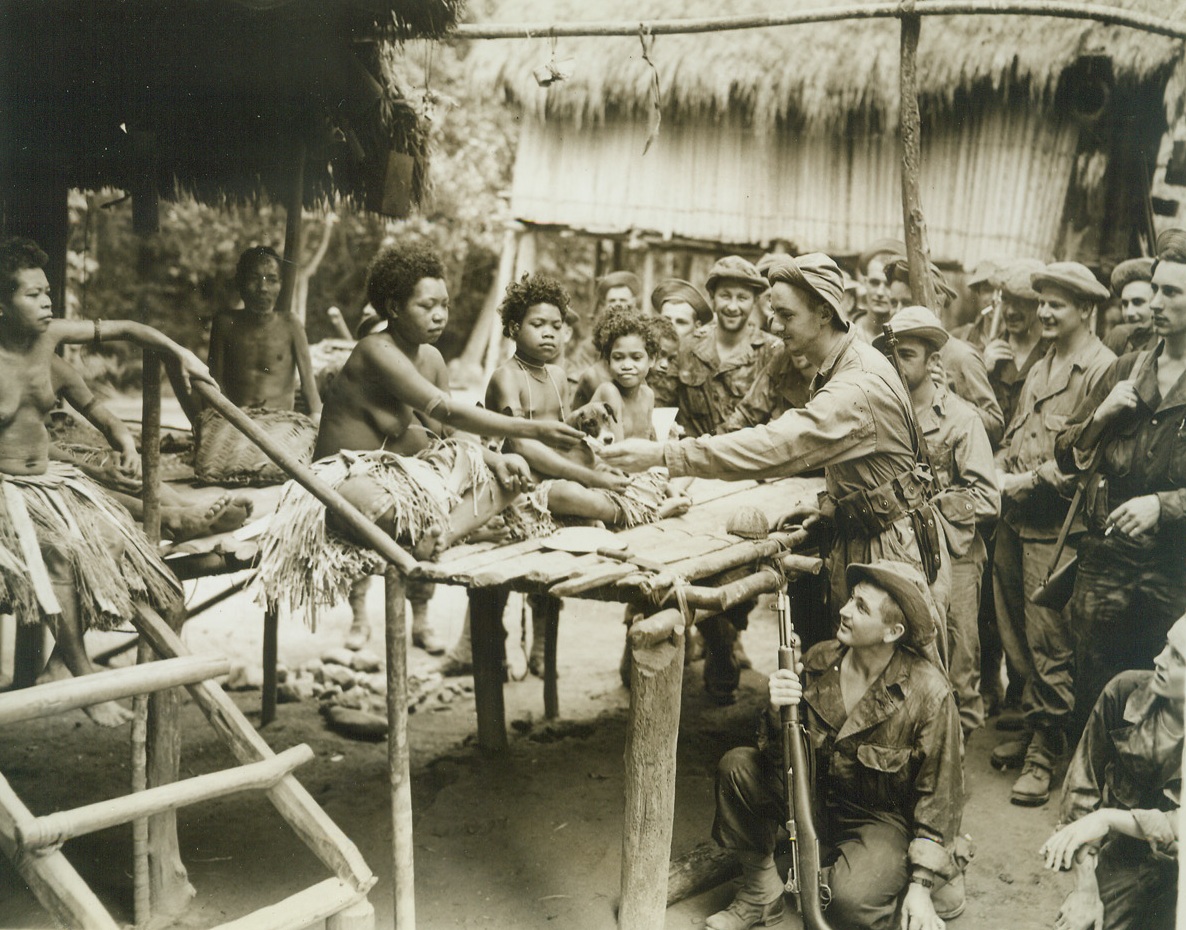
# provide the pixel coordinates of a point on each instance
(898, 269)
(986, 272)
(880, 247)
(737, 269)
(1135, 269)
(918, 323)
(1016, 278)
(815, 273)
(1072, 277)
(677, 289)
(907, 586)
(618, 279)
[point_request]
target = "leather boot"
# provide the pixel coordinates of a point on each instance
(950, 898)
(1032, 789)
(758, 900)
(1011, 753)
(1011, 721)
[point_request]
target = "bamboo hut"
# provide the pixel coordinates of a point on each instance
(1039, 135)
(219, 99)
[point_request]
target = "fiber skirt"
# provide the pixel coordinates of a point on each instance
(530, 516)
(304, 562)
(60, 529)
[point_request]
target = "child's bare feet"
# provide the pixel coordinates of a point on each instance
(673, 507)
(428, 545)
(108, 714)
(225, 514)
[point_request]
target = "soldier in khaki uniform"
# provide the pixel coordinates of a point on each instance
(718, 366)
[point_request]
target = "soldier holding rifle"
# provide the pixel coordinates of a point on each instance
(889, 783)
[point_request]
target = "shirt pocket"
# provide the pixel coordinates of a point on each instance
(885, 759)
(693, 391)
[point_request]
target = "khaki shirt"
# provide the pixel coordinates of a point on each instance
(1043, 410)
(778, 386)
(1130, 758)
(965, 473)
(709, 390)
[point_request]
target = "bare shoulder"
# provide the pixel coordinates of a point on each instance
(608, 392)
(503, 389)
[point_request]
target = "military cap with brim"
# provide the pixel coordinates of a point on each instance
(1135, 269)
(916, 323)
(1072, 277)
(906, 585)
(985, 273)
(735, 268)
(898, 269)
(1017, 278)
(679, 290)
(880, 247)
(618, 279)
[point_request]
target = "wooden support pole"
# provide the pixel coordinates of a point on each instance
(55, 829)
(399, 769)
(303, 909)
(310, 822)
(360, 916)
(359, 525)
(150, 446)
(271, 648)
(918, 253)
(141, 868)
(294, 227)
(652, 730)
(489, 648)
(824, 14)
(57, 697)
(551, 622)
(53, 880)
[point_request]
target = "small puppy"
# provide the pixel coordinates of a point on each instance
(596, 421)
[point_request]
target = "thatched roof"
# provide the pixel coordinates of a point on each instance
(821, 74)
(210, 97)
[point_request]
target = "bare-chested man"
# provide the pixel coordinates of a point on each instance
(256, 352)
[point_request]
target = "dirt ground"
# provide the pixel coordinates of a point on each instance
(528, 840)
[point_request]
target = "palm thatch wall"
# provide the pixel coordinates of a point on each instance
(788, 133)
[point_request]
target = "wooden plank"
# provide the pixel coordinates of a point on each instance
(604, 574)
(455, 571)
(311, 906)
(55, 883)
(58, 697)
(55, 829)
(314, 826)
(399, 769)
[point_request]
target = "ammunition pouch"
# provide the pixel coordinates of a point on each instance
(865, 514)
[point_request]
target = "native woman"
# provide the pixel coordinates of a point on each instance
(69, 555)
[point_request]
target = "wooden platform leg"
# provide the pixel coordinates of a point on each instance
(489, 647)
(652, 730)
(398, 763)
(170, 890)
(28, 654)
(267, 711)
(360, 916)
(551, 620)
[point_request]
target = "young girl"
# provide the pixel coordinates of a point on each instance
(385, 443)
(69, 555)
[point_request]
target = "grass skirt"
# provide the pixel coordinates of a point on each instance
(530, 515)
(66, 516)
(303, 562)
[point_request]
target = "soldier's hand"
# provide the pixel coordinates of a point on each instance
(1015, 487)
(785, 688)
(1137, 516)
(633, 455)
(804, 515)
(937, 370)
(1059, 851)
(918, 911)
(997, 352)
(1122, 397)
(1082, 910)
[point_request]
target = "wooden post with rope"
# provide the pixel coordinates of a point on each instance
(918, 253)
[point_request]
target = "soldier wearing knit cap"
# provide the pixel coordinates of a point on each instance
(1132, 285)
(682, 303)
(855, 425)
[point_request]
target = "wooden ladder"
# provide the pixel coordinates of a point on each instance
(33, 844)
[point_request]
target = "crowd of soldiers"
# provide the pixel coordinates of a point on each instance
(1027, 473)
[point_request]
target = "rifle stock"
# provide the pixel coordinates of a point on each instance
(804, 878)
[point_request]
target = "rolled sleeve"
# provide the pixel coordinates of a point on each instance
(835, 426)
(1160, 829)
(1173, 505)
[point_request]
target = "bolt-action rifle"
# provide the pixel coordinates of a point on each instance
(803, 878)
